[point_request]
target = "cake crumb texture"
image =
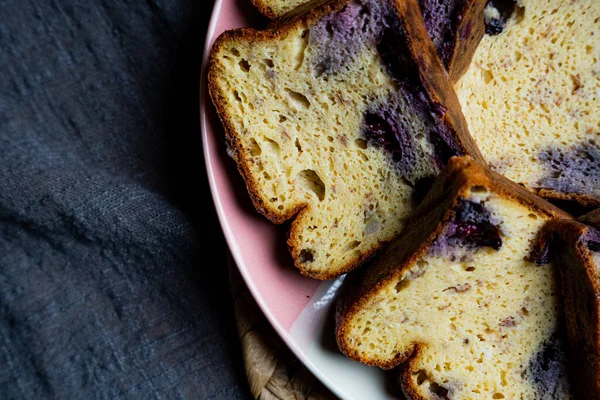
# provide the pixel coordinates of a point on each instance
(332, 127)
(531, 97)
(464, 314)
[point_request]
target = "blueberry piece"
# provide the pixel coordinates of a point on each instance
(473, 226)
(593, 246)
(479, 235)
(396, 57)
(505, 8)
(547, 367)
(377, 130)
(494, 27)
(384, 129)
(573, 169)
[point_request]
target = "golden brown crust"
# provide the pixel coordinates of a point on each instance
(464, 172)
(580, 284)
(432, 74)
(406, 371)
(592, 218)
(470, 31)
(582, 200)
(462, 175)
(299, 11)
(263, 7)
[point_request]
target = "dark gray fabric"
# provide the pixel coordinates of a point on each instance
(113, 281)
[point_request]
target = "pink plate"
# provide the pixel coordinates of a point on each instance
(300, 309)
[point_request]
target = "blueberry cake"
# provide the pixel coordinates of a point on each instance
(531, 96)
(338, 120)
(455, 26)
(575, 248)
(278, 8)
(455, 303)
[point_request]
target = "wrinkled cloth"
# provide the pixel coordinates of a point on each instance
(113, 276)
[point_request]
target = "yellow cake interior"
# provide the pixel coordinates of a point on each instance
(481, 321)
(531, 96)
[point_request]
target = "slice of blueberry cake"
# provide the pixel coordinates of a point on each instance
(338, 120)
(455, 26)
(531, 96)
(575, 248)
(455, 303)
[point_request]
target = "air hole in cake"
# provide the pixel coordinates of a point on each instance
(298, 146)
(352, 245)
(298, 99)
(575, 170)
(300, 44)
(361, 143)
(439, 391)
(306, 256)
(236, 95)
(271, 146)
(576, 83)
(244, 65)
(235, 52)
(421, 377)
(254, 148)
(311, 181)
(498, 396)
(401, 285)
(519, 14)
(269, 62)
(478, 189)
(282, 118)
(487, 76)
